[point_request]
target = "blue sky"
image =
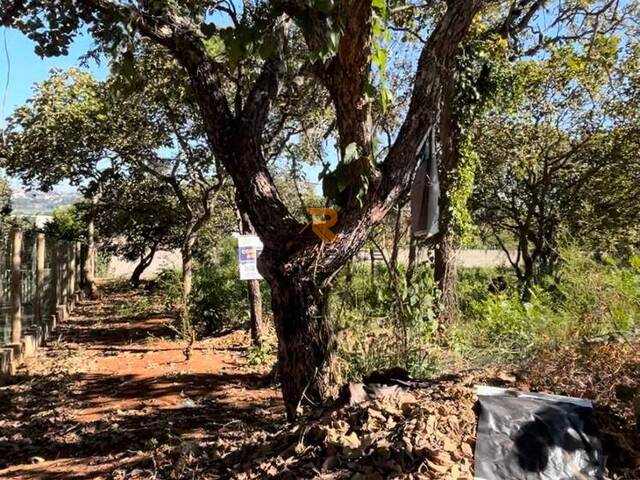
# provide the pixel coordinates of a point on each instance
(25, 68)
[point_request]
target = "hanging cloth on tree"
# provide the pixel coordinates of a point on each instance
(425, 192)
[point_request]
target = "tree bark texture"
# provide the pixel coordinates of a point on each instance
(444, 273)
(307, 344)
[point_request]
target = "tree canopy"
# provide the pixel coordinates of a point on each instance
(545, 161)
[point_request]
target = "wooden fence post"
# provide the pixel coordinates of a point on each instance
(62, 280)
(71, 269)
(53, 251)
(38, 295)
(78, 247)
(16, 285)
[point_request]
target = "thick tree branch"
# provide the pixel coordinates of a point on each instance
(434, 66)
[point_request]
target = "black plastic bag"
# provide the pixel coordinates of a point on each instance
(528, 436)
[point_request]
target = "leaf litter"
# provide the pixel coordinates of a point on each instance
(426, 433)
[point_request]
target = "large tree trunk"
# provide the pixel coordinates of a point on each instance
(444, 273)
(306, 342)
(134, 280)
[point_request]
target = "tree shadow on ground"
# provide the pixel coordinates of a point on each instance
(112, 329)
(38, 421)
(86, 424)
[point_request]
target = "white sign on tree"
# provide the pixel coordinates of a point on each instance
(249, 248)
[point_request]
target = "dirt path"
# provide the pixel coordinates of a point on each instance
(115, 384)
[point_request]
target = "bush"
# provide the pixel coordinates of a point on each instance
(586, 299)
(383, 321)
(219, 298)
(169, 286)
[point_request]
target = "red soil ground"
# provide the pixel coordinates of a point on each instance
(112, 385)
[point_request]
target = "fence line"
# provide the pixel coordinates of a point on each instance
(40, 282)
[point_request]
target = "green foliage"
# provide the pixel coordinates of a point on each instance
(461, 183)
(219, 297)
(169, 287)
(483, 77)
(381, 35)
(135, 215)
(588, 299)
(103, 262)
(384, 321)
(5, 207)
(61, 133)
(68, 223)
(5, 198)
(264, 354)
(548, 162)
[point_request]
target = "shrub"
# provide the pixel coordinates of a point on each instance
(383, 321)
(169, 286)
(586, 298)
(219, 298)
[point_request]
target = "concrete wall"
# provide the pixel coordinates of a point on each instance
(171, 259)
(119, 268)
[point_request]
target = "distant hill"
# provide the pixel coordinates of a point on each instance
(40, 203)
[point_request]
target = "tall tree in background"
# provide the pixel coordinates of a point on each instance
(44, 153)
(548, 163)
(136, 217)
(163, 136)
(88, 132)
(483, 79)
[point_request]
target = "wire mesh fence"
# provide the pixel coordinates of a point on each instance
(39, 277)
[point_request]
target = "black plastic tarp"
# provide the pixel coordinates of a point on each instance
(526, 436)
(425, 192)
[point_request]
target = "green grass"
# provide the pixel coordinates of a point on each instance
(586, 298)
